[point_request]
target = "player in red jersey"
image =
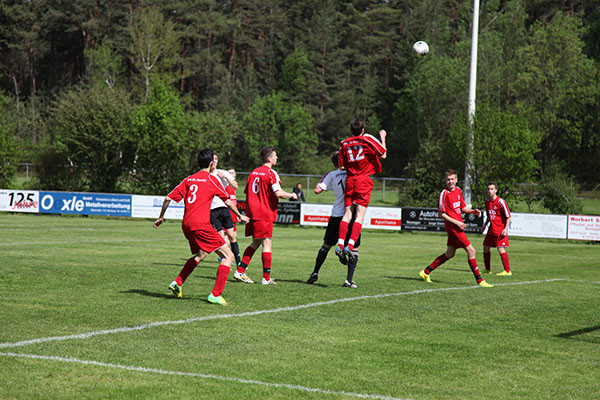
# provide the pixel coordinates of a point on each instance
(450, 207)
(498, 216)
(359, 155)
(197, 191)
(263, 192)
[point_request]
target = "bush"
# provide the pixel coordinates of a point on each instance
(558, 191)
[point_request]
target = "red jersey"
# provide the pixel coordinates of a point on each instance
(198, 191)
(359, 155)
(261, 201)
(231, 192)
(451, 203)
(498, 213)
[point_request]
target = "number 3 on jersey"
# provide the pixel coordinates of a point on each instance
(359, 153)
(192, 197)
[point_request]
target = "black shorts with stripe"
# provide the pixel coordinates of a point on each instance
(220, 218)
(333, 230)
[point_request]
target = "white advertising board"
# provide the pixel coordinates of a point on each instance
(388, 218)
(149, 207)
(315, 214)
(376, 217)
(538, 225)
(583, 227)
(20, 200)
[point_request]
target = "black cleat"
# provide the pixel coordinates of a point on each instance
(313, 278)
(341, 255)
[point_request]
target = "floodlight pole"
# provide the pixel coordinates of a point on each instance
(467, 192)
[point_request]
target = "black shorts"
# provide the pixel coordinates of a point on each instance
(333, 231)
(220, 218)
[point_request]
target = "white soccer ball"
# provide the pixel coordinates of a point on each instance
(421, 48)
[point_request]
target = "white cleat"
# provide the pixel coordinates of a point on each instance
(241, 276)
(268, 282)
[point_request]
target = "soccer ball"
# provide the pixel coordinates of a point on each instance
(421, 48)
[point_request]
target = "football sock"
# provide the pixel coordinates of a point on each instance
(505, 263)
(436, 263)
(266, 262)
(352, 268)
(235, 248)
(222, 274)
(187, 269)
(321, 256)
(248, 253)
(343, 231)
(475, 269)
(487, 257)
(356, 227)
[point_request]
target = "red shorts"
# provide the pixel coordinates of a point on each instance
(457, 239)
(259, 229)
(207, 240)
(358, 190)
(492, 240)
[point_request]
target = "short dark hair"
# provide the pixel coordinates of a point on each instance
(493, 183)
(451, 172)
(334, 158)
(205, 157)
(356, 126)
(265, 153)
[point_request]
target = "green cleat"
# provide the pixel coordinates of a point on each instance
(504, 273)
(488, 271)
(176, 289)
(217, 300)
(485, 284)
(425, 276)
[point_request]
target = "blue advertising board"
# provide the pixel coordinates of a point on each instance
(118, 205)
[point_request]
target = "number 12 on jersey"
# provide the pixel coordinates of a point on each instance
(358, 149)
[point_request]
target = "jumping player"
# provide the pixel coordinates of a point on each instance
(498, 216)
(263, 192)
(336, 181)
(451, 205)
(359, 155)
(197, 191)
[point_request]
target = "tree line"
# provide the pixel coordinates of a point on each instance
(115, 96)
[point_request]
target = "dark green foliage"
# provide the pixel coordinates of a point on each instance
(91, 140)
(558, 191)
(8, 156)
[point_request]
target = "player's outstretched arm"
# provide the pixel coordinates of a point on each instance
(282, 194)
(161, 217)
(228, 177)
(234, 209)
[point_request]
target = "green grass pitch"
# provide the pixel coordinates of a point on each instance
(85, 313)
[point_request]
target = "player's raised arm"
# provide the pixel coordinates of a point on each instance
(382, 136)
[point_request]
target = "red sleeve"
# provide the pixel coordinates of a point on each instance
(375, 144)
(505, 209)
(442, 202)
(341, 156)
(178, 193)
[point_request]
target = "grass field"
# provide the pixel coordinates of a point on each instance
(85, 313)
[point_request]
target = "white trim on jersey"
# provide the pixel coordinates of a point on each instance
(504, 206)
(369, 136)
(441, 202)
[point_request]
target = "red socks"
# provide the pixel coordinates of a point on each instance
(266, 262)
(475, 269)
(505, 263)
(189, 266)
(436, 263)
(356, 228)
(342, 233)
(222, 274)
(487, 257)
(248, 253)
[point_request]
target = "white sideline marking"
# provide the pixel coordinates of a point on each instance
(198, 375)
(38, 244)
(247, 314)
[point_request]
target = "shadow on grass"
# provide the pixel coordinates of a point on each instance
(147, 293)
(576, 335)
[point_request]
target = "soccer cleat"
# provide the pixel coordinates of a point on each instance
(349, 284)
(217, 300)
(504, 273)
(241, 276)
(268, 282)
(313, 278)
(176, 289)
(341, 255)
(485, 284)
(350, 255)
(488, 271)
(425, 276)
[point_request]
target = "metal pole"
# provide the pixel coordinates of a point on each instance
(383, 194)
(307, 190)
(472, 90)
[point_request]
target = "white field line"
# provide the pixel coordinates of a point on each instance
(198, 375)
(247, 314)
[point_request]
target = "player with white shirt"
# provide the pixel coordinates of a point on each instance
(336, 182)
(220, 217)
